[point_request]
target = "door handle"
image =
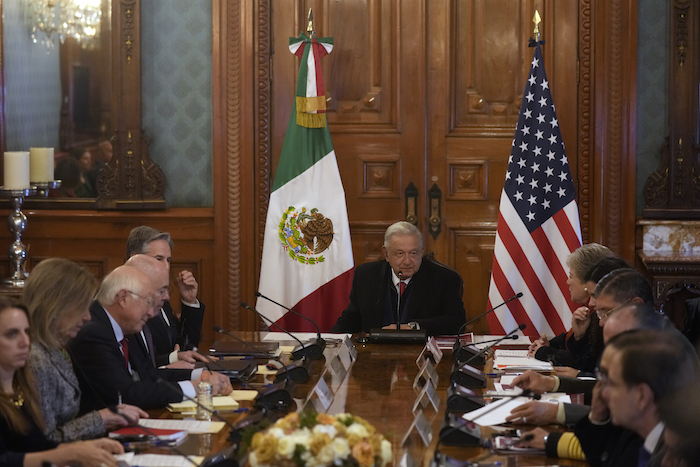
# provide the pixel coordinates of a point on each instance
(435, 221)
(411, 194)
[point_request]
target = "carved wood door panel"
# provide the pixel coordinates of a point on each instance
(428, 92)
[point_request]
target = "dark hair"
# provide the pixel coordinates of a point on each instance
(141, 236)
(603, 267)
(663, 360)
(25, 384)
(625, 284)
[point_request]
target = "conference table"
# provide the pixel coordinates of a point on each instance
(380, 387)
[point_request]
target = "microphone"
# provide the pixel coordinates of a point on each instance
(507, 336)
(467, 351)
(464, 326)
(275, 396)
(398, 301)
(298, 352)
(313, 349)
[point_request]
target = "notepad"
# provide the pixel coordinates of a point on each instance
(160, 433)
(221, 403)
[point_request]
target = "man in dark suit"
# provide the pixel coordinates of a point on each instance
(100, 351)
(638, 370)
(174, 339)
(403, 289)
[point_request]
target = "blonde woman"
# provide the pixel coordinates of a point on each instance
(58, 293)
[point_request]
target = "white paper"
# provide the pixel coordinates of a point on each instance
(496, 412)
(157, 460)
(192, 426)
(507, 379)
(521, 364)
(511, 353)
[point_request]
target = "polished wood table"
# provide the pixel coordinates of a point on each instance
(380, 388)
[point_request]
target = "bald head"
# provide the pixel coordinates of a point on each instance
(157, 271)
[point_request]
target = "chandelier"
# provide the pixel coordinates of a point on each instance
(51, 19)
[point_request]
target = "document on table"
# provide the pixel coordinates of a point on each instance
(495, 413)
(158, 460)
(521, 364)
(192, 426)
(244, 394)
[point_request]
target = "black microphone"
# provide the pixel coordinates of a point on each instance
(398, 301)
(312, 349)
(464, 326)
(298, 352)
(294, 371)
(467, 351)
(275, 396)
(507, 336)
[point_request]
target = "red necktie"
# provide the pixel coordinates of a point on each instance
(125, 351)
(402, 287)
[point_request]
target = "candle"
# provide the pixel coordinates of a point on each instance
(16, 170)
(41, 164)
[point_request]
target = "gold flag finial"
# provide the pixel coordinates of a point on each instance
(310, 27)
(537, 20)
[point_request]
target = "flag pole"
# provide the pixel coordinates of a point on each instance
(310, 27)
(536, 19)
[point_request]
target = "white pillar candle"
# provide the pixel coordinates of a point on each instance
(41, 164)
(16, 170)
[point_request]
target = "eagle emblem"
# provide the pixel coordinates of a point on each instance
(305, 235)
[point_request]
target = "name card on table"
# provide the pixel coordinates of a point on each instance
(426, 373)
(320, 396)
(430, 393)
(430, 351)
(348, 344)
(338, 368)
(422, 426)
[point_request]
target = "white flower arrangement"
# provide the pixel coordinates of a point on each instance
(319, 440)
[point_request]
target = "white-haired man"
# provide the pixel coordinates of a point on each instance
(430, 293)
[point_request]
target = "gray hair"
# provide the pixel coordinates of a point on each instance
(402, 228)
(585, 257)
(122, 278)
(140, 238)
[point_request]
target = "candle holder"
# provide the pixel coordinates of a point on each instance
(17, 224)
(42, 188)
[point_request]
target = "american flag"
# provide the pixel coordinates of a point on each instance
(538, 223)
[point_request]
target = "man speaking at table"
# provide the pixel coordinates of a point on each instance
(430, 294)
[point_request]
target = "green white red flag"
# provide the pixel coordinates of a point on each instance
(307, 254)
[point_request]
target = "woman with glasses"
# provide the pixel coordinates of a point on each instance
(58, 293)
(22, 441)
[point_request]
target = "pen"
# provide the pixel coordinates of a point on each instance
(119, 398)
(242, 409)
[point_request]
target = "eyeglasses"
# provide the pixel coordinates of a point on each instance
(401, 254)
(149, 301)
(606, 313)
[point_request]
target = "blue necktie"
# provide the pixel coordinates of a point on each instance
(643, 458)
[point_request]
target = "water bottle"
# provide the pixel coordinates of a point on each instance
(205, 393)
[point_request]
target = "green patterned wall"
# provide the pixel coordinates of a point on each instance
(32, 85)
(176, 68)
(652, 88)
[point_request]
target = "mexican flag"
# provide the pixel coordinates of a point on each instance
(307, 255)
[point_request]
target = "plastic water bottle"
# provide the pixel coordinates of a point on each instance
(205, 393)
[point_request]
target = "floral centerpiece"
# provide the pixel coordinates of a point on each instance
(311, 439)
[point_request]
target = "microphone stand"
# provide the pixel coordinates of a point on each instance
(275, 396)
(314, 349)
(299, 352)
(398, 302)
(507, 336)
(457, 345)
(466, 352)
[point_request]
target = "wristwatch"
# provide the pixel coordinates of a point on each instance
(413, 325)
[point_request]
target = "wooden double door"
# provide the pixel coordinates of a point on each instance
(423, 99)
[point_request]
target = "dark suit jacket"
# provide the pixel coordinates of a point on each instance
(435, 301)
(103, 374)
(184, 332)
(608, 445)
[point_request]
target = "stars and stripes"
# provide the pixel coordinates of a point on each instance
(538, 225)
